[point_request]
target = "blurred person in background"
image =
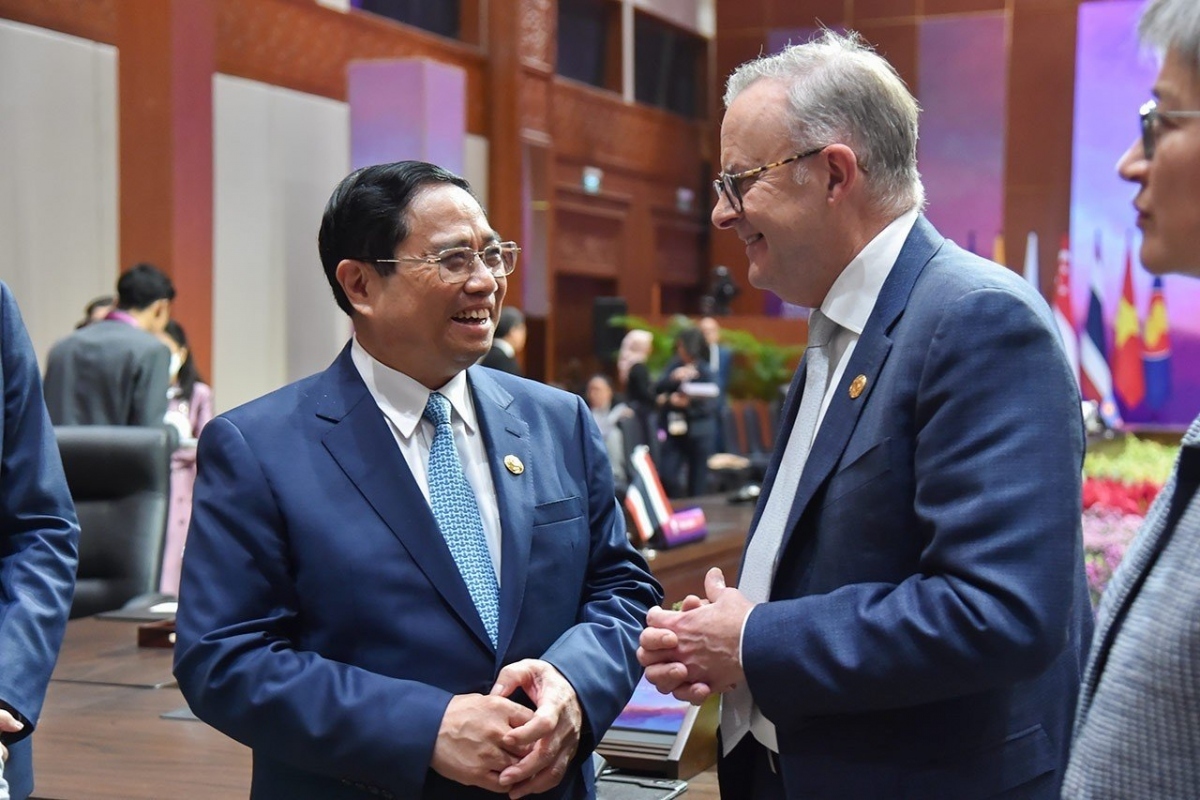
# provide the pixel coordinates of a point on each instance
(687, 402)
(189, 408)
(115, 371)
(508, 342)
(96, 310)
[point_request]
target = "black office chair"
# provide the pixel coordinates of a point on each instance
(120, 479)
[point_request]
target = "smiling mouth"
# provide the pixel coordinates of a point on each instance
(479, 316)
(750, 240)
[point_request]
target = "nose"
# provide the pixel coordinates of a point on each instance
(723, 215)
(481, 280)
(1133, 163)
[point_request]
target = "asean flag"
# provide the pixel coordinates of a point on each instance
(1129, 377)
(1157, 357)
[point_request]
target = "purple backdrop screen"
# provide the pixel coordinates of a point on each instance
(1113, 77)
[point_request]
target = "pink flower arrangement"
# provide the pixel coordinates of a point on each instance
(1121, 479)
(1107, 532)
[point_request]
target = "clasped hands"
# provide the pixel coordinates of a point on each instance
(8, 724)
(495, 743)
(693, 653)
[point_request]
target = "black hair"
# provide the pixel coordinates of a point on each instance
(189, 375)
(366, 218)
(142, 285)
(509, 318)
(694, 343)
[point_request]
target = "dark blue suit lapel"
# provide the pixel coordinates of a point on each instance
(362, 444)
(505, 434)
(868, 359)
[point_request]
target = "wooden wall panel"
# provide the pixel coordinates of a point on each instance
(807, 13)
(588, 241)
(592, 126)
(679, 251)
(874, 10)
(1040, 119)
(87, 19)
(304, 46)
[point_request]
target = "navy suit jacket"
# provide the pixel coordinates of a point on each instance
(39, 541)
(323, 621)
(929, 618)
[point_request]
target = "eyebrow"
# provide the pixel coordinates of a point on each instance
(464, 241)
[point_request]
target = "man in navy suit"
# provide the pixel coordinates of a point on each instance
(39, 541)
(911, 615)
(324, 619)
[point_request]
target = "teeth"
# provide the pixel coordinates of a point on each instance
(476, 314)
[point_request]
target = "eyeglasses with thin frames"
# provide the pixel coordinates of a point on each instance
(457, 264)
(1152, 119)
(729, 184)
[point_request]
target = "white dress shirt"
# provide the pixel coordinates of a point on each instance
(402, 401)
(849, 303)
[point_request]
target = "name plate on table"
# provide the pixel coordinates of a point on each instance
(688, 525)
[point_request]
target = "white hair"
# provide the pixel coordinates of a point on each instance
(1173, 25)
(840, 91)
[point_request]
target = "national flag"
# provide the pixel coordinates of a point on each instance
(1129, 377)
(1032, 272)
(1157, 356)
(998, 249)
(1095, 376)
(1064, 315)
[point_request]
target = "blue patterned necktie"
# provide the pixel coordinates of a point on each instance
(453, 502)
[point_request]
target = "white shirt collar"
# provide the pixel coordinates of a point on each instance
(505, 347)
(852, 296)
(402, 399)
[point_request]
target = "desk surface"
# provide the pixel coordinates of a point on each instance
(105, 651)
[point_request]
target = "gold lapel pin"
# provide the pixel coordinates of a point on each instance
(514, 465)
(857, 385)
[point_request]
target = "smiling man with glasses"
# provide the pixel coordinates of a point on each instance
(1137, 729)
(911, 613)
(407, 575)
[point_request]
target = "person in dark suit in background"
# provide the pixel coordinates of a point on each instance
(687, 407)
(1137, 728)
(912, 613)
(508, 342)
(116, 371)
(39, 541)
(720, 362)
(408, 575)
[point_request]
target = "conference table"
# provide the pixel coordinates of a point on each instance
(116, 727)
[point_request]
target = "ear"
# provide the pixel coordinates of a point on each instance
(358, 280)
(844, 173)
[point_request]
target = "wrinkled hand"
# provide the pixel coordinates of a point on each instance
(693, 653)
(471, 746)
(551, 736)
(8, 724)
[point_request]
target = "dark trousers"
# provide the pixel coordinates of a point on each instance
(750, 772)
